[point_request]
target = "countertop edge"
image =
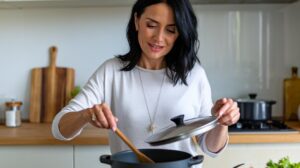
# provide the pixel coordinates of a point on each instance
(40, 134)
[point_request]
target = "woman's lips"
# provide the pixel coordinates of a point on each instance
(155, 48)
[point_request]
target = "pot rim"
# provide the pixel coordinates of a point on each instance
(151, 149)
(189, 156)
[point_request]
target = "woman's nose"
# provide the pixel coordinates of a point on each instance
(159, 35)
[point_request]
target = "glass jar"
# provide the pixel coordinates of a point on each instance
(13, 114)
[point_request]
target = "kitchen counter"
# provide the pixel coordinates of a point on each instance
(278, 137)
(40, 134)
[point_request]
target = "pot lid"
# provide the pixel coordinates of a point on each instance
(252, 99)
(245, 100)
(183, 129)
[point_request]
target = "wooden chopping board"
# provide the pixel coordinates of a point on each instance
(291, 96)
(50, 90)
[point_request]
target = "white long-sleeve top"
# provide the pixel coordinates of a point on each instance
(123, 92)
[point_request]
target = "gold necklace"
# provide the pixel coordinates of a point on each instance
(152, 126)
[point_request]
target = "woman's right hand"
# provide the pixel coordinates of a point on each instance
(100, 116)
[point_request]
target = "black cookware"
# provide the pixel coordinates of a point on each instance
(255, 109)
(163, 158)
(178, 129)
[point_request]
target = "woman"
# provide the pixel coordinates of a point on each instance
(159, 78)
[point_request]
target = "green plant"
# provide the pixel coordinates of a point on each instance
(75, 91)
(283, 163)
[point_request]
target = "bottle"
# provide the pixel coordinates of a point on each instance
(13, 114)
(291, 95)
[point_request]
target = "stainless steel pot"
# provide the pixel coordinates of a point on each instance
(163, 158)
(253, 109)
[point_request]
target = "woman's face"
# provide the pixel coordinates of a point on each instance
(157, 34)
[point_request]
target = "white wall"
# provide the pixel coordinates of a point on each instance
(292, 35)
(243, 48)
(85, 37)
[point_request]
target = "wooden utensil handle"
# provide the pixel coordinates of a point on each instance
(141, 157)
(125, 139)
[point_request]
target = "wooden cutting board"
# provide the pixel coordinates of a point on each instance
(291, 96)
(50, 90)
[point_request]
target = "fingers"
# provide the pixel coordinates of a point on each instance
(221, 106)
(230, 118)
(227, 111)
(102, 117)
(219, 103)
(227, 107)
(110, 119)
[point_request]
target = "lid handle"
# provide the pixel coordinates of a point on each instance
(252, 95)
(178, 120)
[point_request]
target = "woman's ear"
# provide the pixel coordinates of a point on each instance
(136, 22)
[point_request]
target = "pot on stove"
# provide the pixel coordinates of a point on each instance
(163, 158)
(253, 109)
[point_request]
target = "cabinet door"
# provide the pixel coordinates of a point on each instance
(88, 156)
(36, 156)
(253, 155)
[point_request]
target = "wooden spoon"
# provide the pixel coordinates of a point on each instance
(141, 157)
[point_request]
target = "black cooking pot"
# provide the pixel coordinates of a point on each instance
(163, 158)
(254, 109)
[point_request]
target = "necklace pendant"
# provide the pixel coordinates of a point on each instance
(152, 128)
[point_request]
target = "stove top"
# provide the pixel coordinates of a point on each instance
(270, 126)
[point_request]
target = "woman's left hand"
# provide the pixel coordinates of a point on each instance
(227, 111)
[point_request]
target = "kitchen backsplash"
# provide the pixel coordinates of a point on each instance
(243, 48)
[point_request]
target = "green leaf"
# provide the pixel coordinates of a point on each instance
(283, 163)
(75, 91)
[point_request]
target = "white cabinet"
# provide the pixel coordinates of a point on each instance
(87, 156)
(36, 156)
(53, 156)
(253, 155)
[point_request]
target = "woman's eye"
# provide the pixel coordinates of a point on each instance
(171, 31)
(150, 25)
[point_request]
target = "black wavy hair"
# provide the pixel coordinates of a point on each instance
(183, 56)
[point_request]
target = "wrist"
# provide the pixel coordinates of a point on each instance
(86, 115)
(222, 128)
